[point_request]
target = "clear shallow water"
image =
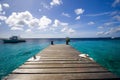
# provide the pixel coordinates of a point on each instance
(13, 55)
(105, 52)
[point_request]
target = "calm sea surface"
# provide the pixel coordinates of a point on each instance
(105, 52)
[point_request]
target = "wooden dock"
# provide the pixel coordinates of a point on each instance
(61, 62)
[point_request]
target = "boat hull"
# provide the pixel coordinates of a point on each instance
(13, 41)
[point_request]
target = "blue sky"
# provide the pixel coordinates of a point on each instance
(59, 18)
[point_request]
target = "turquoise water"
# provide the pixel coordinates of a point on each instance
(13, 55)
(105, 52)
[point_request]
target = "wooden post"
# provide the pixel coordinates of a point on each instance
(52, 43)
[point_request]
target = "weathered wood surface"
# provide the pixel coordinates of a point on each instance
(61, 62)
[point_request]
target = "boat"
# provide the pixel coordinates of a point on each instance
(13, 39)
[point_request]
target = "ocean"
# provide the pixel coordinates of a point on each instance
(106, 52)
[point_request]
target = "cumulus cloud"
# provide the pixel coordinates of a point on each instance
(6, 5)
(115, 3)
(77, 18)
(2, 18)
(65, 14)
(62, 26)
(79, 11)
(59, 23)
(25, 21)
(44, 22)
(67, 30)
(91, 23)
(56, 2)
(20, 19)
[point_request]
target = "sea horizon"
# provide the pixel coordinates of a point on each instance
(69, 37)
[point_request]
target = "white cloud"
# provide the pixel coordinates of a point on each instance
(28, 30)
(56, 23)
(59, 23)
(25, 21)
(65, 14)
(6, 5)
(44, 22)
(100, 33)
(67, 30)
(110, 31)
(77, 18)
(17, 28)
(99, 14)
(71, 30)
(115, 3)
(19, 19)
(91, 23)
(64, 29)
(108, 24)
(113, 30)
(33, 23)
(3, 18)
(79, 11)
(2, 12)
(56, 2)
(44, 5)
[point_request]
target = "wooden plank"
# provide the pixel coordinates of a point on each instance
(59, 66)
(61, 70)
(75, 76)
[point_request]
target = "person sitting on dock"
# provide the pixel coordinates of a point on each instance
(67, 40)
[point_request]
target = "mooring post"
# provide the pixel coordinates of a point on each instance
(52, 43)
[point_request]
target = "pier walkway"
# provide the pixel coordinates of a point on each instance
(61, 62)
